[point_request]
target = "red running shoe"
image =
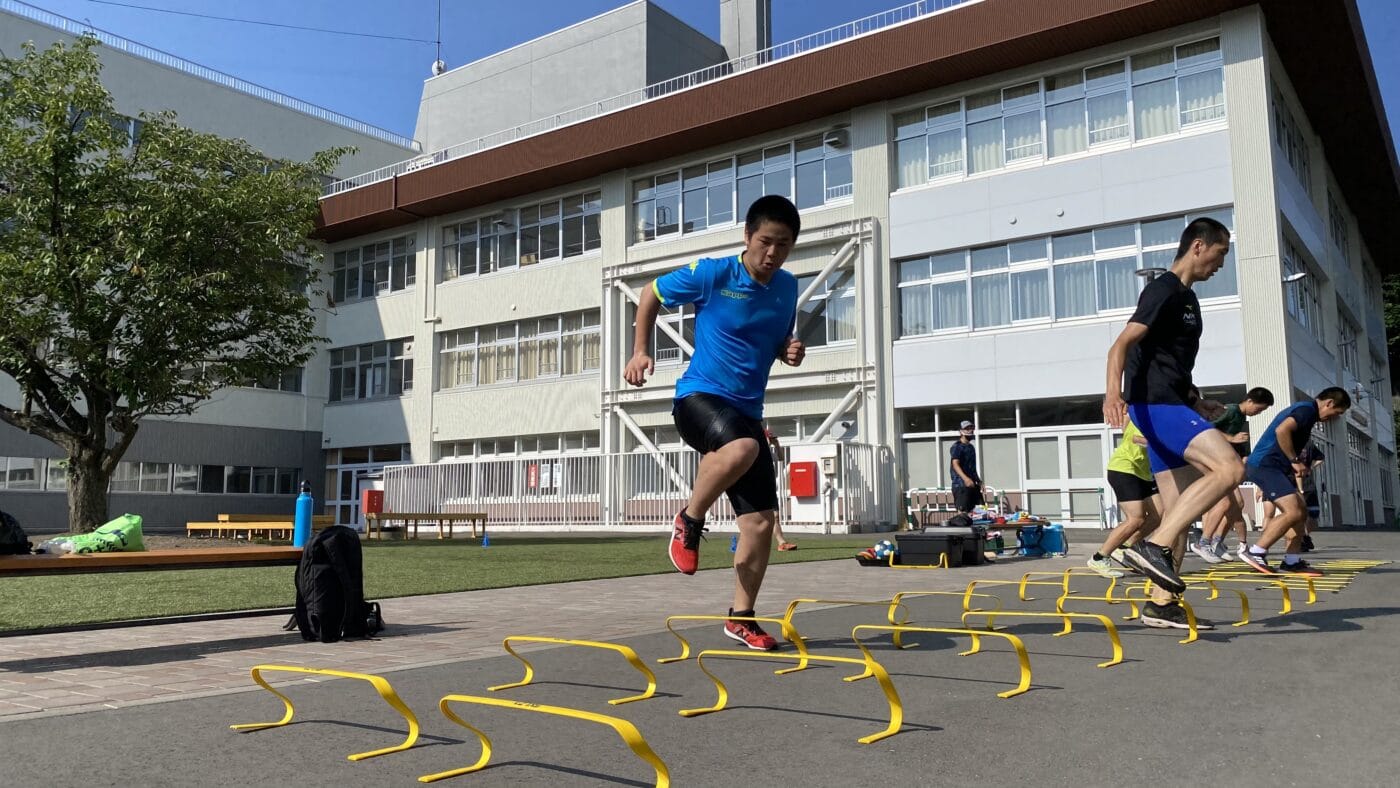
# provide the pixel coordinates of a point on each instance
(750, 634)
(685, 544)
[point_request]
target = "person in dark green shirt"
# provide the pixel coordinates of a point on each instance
(1216, 522)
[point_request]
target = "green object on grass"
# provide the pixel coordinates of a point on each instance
(122, 535)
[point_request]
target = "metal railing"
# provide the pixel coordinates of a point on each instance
(772, 54)
(76, 28)
(621, 491)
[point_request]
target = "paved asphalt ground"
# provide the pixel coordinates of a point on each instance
(1303, 699)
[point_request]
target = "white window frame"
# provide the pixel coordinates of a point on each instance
(1040, 101)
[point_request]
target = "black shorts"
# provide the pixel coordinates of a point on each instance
(1128, 488)
(1242, 449)
(965, 499)
(706, 423)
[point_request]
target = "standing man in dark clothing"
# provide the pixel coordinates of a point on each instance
(1149, 378)
(967, 485)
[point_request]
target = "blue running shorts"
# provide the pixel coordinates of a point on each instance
(1273, 483)
(1168, 429)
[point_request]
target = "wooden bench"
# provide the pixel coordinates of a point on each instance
(269, 526)
(148, 561)
(374, 521)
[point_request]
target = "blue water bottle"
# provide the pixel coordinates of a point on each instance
(301, 529)
(734, 543)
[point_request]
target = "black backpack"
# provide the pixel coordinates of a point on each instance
(13, 539)
(330, 589)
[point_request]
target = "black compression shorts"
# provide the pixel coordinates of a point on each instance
(706, 423)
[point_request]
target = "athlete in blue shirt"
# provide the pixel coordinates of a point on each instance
(1274, 465)
(745, 311)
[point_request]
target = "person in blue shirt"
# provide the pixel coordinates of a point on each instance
(745, 313)
(1275, 466)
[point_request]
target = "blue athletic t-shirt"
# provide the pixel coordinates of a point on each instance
(740, 326)
(1267, 453)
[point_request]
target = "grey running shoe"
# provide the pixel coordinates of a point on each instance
(1156, 563)
(1103, 568)
(1205, 552)
(1223, 554)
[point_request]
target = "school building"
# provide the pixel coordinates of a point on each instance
(985, 186)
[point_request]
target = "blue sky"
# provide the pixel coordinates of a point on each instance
(380, 81)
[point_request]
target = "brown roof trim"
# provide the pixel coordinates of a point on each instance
(964, 43)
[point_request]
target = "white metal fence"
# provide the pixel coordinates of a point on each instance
(772, 54)
(622, 491)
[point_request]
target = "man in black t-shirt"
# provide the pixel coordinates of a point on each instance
(1149, 379)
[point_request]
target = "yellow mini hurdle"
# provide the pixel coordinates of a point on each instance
(1022, 658)
(629, 733)
(627, 653)
(1107, 622)
(897, 601)
(380, 685)
(881, 675)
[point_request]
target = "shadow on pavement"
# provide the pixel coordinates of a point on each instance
(179, 652)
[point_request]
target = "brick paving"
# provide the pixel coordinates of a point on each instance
(68, 673)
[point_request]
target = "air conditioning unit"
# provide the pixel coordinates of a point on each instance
(838, 137)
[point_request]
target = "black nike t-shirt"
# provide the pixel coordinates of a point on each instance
(1159, 367)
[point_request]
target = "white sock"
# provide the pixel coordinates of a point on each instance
(1290, 558)
(1257, 550)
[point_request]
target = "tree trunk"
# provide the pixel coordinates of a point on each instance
(87, 492)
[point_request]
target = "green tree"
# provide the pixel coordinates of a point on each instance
(139, 272)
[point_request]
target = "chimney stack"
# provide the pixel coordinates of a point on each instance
(745, 26)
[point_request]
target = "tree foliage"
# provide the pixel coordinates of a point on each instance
(138, 272)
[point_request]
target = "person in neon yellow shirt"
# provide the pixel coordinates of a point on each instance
(1130, 476)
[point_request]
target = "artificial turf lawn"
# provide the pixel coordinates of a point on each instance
(392, 569)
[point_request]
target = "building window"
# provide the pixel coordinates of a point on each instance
(829, 316)
(372, 371)
(681, 318)
(810, 171)
(374, 269)
(288, 380)
(1041, 279)
(525, 236)
(1152, 94)
(21, 473)
(1346, 345)
(1288, 134)
(545, 347)
(1337, 226)
(1300, 297)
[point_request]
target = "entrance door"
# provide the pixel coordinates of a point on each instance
(1065, 474)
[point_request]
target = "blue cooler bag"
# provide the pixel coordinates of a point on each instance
(1054, 541)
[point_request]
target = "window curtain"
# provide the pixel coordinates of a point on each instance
(1074, 289)
(840, 318)
(990, 301)
(946, 153)
(915, 310)
(1202, 97)
(984, 146)
(1154, 106)
(1030, 295)
(913, 161)
(1066, 129)
(1117, 288)
(1108, 118)
(1023, 136)
(950, 305)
